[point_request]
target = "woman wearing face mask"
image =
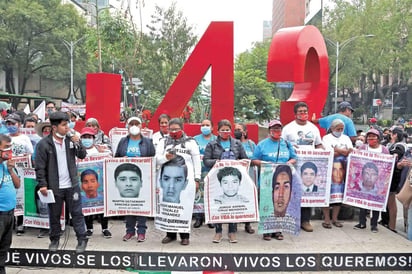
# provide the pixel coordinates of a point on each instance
(178, 143)
(276, 150)
(206, 127)
(135, 145)
(372, 144)
(341, 145)
(224, 147)
(101, 140)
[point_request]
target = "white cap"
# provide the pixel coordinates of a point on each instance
(134, 118)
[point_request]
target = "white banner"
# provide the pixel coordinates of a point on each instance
(80, 109)
(230, 194)
(315, 168)
(129, 186)
(368, 178)
(115, 134)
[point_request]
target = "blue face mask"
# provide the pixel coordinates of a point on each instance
(205, 130)
(72, 124)
(12, 129)
(337, 134)
(87, 142)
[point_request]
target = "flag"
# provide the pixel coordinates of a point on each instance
(27, 109)
(41, 110)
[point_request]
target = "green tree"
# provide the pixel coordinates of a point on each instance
(31, 34)
(253, 94)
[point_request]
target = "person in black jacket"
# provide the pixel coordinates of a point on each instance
(224, 147)
(135, 145)
(56, 170)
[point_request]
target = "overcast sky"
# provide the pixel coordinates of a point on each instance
(248, 16)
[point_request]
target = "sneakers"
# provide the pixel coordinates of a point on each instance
(128, 236)
(232, 238)
(306, 226)
(374, 229)
(185, 241)
(218, 238)
(198, 223)
(54, 245)
(167, 240)
(359, 226)
(107, 234)
(249, 229)
(43, 233)
(20, 230)
(141, 238)
(89, 233)
(81, 246)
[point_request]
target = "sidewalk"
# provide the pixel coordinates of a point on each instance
(321, 241)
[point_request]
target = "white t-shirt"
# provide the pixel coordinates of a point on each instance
(21, 145)
(330, 141)
(302, 135)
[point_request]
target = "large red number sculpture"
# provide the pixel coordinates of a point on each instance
(296, 54)
(299, 55)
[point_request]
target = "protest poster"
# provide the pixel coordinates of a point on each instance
(31, 133)
(315, 168)
(280, 197)
(147, 132)
(175, 196)
(78, 108)
(338, 179)
(90, 174)
(130, 186)
(21, 163)
(368, 178)
(36, 213)
(115, 134)
(230, 193)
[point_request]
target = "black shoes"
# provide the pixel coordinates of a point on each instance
(198, 223)
(54, 245)
(81, 246)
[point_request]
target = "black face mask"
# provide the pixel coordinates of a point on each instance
(238, 134)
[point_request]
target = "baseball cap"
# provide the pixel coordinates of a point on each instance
(274, 123)
(134, 118)
(373, 131)
(13, 118)
(344, 105)
(88, 130)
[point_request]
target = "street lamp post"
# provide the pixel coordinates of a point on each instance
(70, 47)
(340, 46)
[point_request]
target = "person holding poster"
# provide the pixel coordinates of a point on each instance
(206, 127)
(302, 134)
(56, 170)
(341, 146)
(224, 147)
(164, 129)
(133, 145)
(276, 150)
(8, 185)
(177, 144)
(240, 133)
(369, 176)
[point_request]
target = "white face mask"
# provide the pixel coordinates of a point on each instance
(59, 135)
(134, 130)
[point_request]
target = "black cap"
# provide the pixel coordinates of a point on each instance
(344, 105)
(13, 118)
(58, 115)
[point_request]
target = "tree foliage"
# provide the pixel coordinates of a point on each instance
(253, 94)
(31, 34)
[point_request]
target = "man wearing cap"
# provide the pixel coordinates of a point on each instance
(135, 145)
(56, 170)
(345, 111)
(311, 140)
(20, 143)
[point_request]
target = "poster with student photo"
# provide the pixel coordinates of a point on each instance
(21, 163)
(90, 174)
(230, 193)
(36, 213)
(176, 194)
(315, 168)
(280, 197)
(115, 134)
(368, 178)
(129, 186)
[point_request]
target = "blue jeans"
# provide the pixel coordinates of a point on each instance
(232, 228)
(74, 204)
(131, 224)
(362, 217)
